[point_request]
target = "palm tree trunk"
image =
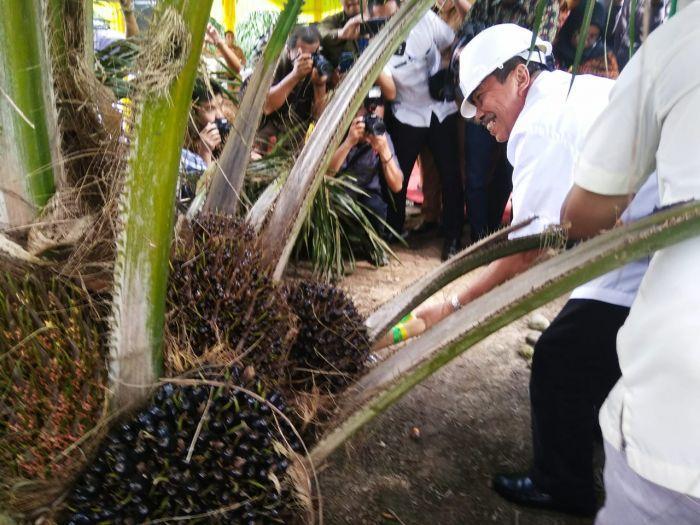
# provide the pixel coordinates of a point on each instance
(29, 141)
(390, 380)
(147, 204)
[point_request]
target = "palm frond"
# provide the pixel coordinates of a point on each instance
(393, 378)
(582, 32)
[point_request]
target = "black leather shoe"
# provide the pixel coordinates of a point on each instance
(450, 248)
(520, 489)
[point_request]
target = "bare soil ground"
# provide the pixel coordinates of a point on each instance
(473, 418)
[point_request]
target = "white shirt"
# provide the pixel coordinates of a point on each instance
(545, 142)
(411, 69)
(620, 286)
(652, 414)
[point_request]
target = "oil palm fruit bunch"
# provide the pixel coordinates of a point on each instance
(223, 307)
(211, 453)
(52, 385)
(331, 347)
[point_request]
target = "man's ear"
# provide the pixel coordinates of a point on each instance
(522, 79)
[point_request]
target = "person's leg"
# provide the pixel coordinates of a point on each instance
(499, 188)
(573, 369)
(408, 141)
(432, 199)
(479, 150)
(632, 500)
(443, 144)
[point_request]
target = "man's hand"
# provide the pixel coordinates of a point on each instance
(212, 36)
(351, 29)
(303, 65)
(210, 136)
(318, 80)
(380, 146)
(356, 131)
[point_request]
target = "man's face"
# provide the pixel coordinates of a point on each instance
(386, 10)
(351, 7)
(209, 110)
(303, 47)
(591, 37)
(498, 105)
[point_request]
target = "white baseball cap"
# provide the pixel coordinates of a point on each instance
(487, 52)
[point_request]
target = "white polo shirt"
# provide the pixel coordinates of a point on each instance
(545, 143)
(411, 67)
(652, 414)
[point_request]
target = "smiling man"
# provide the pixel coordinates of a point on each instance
(544, 120)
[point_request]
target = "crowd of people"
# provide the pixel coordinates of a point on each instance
(466, 176)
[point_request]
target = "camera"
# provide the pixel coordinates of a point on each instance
(374, 125)
(372, 27)
(223, 126)
(322, 65)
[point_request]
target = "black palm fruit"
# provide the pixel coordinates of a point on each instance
(52, 381)
(331, 347)
(223, 305)
(238, 465)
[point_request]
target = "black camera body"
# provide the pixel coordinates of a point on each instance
(223, 126)
(372, 26)
(322, 65)
(374, 125)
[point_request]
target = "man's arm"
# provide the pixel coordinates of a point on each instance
(280, 91)
(355, 133)
(589, 213)
(495, 273)
(132, 28)
(320, 99)
(386, 83)
(213, 37)
(389, 163)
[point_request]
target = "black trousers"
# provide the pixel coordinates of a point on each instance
(441, 138)
(573, 369)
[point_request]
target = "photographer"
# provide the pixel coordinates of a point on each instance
(206, 134)
(368, 154)
(339, 34)
(298, 92)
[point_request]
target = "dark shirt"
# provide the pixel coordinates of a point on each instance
(296, 112)
(521, 12)
(331, 46)
(364, 164)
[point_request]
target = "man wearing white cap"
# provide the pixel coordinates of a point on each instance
(545, 119)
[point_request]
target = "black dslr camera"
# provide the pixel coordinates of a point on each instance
(372, 26)
(223, 126)
(322, 65)
(374, 125)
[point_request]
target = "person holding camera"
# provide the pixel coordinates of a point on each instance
(206, 134)
(419, 120)
(339, 35)
(298, 92)
(368, 154)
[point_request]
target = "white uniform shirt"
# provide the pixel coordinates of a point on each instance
(652, 414)
(545, 142)
(412, 68)
(620, 286)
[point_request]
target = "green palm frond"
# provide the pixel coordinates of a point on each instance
(146, 208)
(339, 229)
(582, 32)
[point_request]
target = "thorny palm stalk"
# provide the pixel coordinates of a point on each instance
(387, 383)
(168, 68)
(28, 129)
(296, 197)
